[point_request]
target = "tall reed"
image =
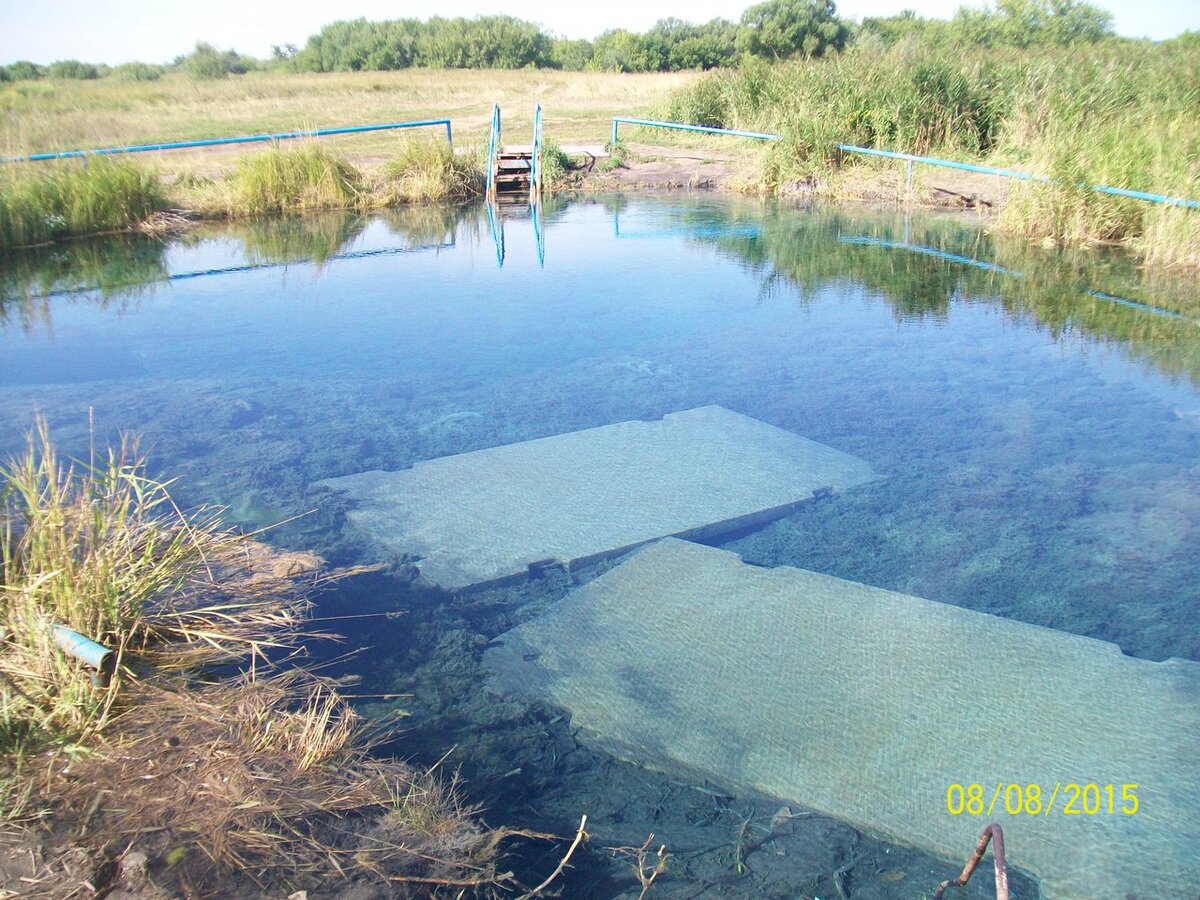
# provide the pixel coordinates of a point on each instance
(292, 179)
(69, 198)
(1101, 115)
(429, 170)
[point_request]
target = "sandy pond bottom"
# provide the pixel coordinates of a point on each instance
(1038, 447)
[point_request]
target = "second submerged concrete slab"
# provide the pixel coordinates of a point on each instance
(917, 721)
(487, 516)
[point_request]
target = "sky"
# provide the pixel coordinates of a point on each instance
(116, 31)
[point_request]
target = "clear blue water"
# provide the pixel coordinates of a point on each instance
(1035, 414)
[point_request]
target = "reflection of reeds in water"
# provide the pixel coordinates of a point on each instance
(434, 225)
(911, 265)
(315, 238)
(112, 270)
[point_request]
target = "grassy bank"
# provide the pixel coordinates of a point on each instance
(72, 198)
(1100, 115)
(202, 779)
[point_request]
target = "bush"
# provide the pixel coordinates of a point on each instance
(136, 71)
(23, 70)
(294, 179)
(429, 171)
(207, 62)
(72, 68)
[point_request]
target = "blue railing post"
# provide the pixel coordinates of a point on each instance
(493, 150)
(535, 179)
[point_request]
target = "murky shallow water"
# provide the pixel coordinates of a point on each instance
(1035, 415)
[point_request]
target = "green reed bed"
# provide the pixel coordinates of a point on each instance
(430, 171)
(289, 180)
(1101, 115)
(42, 202)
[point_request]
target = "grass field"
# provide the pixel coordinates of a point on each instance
(63, 115)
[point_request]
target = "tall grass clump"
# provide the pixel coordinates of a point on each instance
(70, 199)
(101, 549)
(430, 170)
(265, 773)
(293, 179)
(1081, 116)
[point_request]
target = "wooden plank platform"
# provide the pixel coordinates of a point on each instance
(868, 705)
(491, 516)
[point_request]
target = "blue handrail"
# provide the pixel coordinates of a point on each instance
(678, 126)
(241, 139)
(493, 151)
(535, 180)
(911, 158)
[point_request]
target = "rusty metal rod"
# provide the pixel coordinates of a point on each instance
(995, 836)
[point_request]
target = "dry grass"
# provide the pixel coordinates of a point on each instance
(268, 778)
(64, 115)
(265, 773)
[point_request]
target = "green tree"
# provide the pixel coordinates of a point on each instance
(1031, 23)
(780, 29)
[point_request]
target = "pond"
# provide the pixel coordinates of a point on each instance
(1030, 417)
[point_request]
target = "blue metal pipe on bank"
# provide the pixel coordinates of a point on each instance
(910, 159)
(240, 139)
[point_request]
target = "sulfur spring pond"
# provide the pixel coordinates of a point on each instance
(1015, 437)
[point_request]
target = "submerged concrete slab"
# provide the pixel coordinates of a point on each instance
(488, 516)
(867, 705)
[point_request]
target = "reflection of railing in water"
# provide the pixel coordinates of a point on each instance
(496, 221)
(864, 241)
(258, 267)
(926, 251)
(685, 231)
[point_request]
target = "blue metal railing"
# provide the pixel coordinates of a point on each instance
(535, 179)
(678, 126)
(493, 151)
(911, 158)
(1011, 173)
(241, 139)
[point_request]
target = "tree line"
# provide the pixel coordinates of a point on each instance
(772, 30)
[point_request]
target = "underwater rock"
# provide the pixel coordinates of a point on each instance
(496, 515)
(871, 706)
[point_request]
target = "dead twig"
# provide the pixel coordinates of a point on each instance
(994, 835)
(645, 875)
(580, 835)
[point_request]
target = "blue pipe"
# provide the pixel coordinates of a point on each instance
(650, 123)
(945, 163)
(1022, 176)
(241, 139)
(910, 158)
(97, 656)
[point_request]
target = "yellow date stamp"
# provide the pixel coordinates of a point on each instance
(1031, 799)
